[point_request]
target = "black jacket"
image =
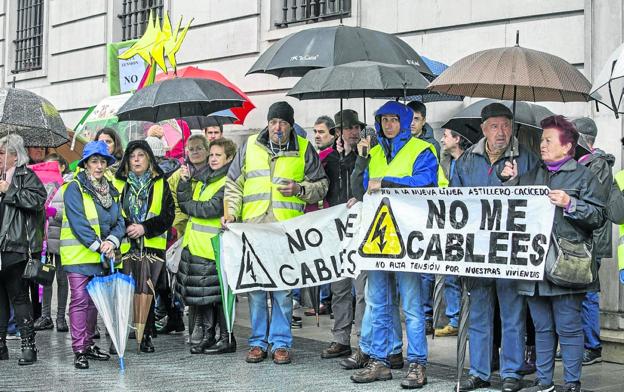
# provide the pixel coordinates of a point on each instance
(22, 215)
(338, 169)
(586, 214)
(599, 164)
(161, 223)
(197, 278)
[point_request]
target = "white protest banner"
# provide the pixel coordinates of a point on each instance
(309, 250)
(497, 232)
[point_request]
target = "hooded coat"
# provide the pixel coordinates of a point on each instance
(153, 226)
(425, 168)
(599, 164)
(197, 279)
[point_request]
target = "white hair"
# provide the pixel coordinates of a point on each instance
(14, 144)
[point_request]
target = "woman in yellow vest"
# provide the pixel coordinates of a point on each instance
(92, 226)
(148, 210)
(197, 278)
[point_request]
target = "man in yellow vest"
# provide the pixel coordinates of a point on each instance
(398, 161)
(273, 176)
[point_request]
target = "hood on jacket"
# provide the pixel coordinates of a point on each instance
(597, 154)
(406, 115)
(124, 166)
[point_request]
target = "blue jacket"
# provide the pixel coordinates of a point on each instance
(473, 168)
(425, 170)
(112, 225)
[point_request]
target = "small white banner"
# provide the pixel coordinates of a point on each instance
(306, 251)
(495, 232)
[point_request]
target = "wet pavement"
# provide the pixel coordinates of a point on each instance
(173, 368)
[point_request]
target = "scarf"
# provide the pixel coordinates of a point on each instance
(138, 194)
(555, 166)
(102, 190)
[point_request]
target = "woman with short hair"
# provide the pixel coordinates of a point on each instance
(22, 196)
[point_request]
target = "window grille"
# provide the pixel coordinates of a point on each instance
(311, 11)
(135, 14)
(29, 35)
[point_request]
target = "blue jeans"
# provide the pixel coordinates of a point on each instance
(452, 295)
(381, 301)
(325, 293)
(559, 314)
(591, 318)
(428, 282)
(480, 330)
(275, 332)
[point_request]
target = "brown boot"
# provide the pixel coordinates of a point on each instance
(415, 378)
(281, 356)
(255, 355)
(357, 360)
(336, 350)
(374, 371)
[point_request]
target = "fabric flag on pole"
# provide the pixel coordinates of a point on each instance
(228, 298)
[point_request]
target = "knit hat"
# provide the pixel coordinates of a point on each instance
(495, 110)
(283, 111)
(157, 146)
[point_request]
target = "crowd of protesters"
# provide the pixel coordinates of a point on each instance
(147, 196)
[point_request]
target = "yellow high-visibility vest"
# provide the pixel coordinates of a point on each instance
(403, 163)
(72, 251)
(160, 241)
(199, 231)
(260, 189)
(619, 180)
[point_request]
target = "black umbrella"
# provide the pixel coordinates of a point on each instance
(360, 79)
(32, 117)
(528, 117)
(323, 47)
(213, 120)
(177, 98)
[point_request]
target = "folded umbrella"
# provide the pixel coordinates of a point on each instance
(112, 296)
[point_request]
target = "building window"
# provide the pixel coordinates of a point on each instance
(135, 14)
(311, 11)
(29, 36)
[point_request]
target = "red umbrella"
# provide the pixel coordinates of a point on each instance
(194, 72)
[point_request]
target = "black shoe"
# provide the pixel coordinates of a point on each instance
(471, 383)
(171, 327)
(336, 350)
(591, 356)
(396, 361)
(224, 345)
(205, 343)
(43, 323)
(61, 325)
(146, 344)
(81, 361)
(4, 351)
(572, 387)
(429, 330)
(95, 353)
(357, 360)
(296, 322)
(511, 384)
(29, 351)
(96, 334)
(539, 388)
